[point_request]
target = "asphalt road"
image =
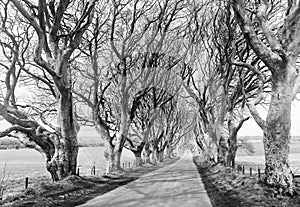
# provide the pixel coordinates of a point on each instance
(178, 184)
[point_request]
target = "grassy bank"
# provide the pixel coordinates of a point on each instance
(239, 190)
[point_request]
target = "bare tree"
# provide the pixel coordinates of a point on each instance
(144, 35)
(272, 30)
(94, 88)
(57, 36)
(218, 83)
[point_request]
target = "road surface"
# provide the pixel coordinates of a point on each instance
(178, 184)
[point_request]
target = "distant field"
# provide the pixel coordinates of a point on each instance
(23, 163)
(257, 159)
(85, 141)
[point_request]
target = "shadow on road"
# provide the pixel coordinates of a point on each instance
(178, 184)
(217, 199)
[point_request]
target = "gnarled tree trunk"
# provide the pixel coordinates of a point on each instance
(277, 132)
(277, 129)
(68, 128)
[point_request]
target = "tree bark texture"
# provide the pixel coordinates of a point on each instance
(68, 128)
(277, 133)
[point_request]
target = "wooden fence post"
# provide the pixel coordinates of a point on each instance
(258, 172)
(77, 171)
(243, 170)
(26, 182)
(250, 171)
(93, 170)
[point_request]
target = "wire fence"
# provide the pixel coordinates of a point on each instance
(259, 172)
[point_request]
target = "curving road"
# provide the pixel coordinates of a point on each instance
(178, 184)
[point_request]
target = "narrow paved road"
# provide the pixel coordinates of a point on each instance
(177, 184)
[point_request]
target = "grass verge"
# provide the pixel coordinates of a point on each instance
(226, 187)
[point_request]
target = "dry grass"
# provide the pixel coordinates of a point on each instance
(241, 190)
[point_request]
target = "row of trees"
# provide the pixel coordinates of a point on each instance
(106, 64)
(253, 52)
(148, 74)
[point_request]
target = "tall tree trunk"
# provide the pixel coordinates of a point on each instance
(63, 152)
(232, 149)
(222, 149)
(222, 144)
(124, 120)
(118, 152)
(103, 131)
(277, 133)
(169, 152)
(160, 156)
(137, 151)
(155, 149)
(146, 153)
(154, 155)
(138, 158)
(232, 140)
(212, 148)
(68, 128)
(109, 157)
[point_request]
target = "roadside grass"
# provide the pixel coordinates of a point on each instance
(246, 190)
(75, 190)
(240, 190)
